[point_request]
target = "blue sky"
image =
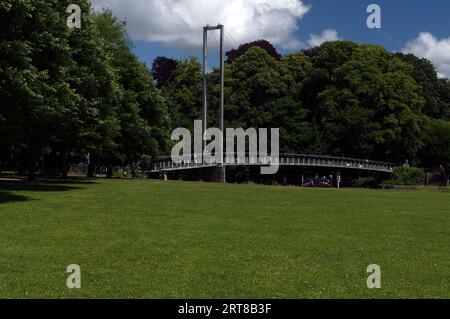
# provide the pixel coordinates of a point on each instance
(402, 22)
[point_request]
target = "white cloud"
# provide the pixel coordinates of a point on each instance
(327, 35)
(179, 23)
(437, 51)
(293, 45)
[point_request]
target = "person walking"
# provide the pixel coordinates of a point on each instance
(133, 170)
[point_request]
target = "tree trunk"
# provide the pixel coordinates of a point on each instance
(109, 171)
(21, 163)
(32, 165)
(91, 170)
(64, 165)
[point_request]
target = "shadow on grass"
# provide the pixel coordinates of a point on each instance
(7, 188)
(6, 197)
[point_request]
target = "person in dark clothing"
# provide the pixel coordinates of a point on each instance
(133, 170)
(109, 171)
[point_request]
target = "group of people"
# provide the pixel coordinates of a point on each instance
(323, 181)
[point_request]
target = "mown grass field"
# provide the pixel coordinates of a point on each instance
(151, 239)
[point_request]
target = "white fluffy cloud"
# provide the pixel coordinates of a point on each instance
(179, 22)
(327, 35)
(437, 51)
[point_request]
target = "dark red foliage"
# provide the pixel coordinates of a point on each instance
(266, 45)
(162, 70)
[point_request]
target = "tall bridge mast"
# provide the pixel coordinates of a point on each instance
(221, 75)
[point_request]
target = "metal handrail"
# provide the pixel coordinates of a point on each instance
(166, 163)
(283, 155)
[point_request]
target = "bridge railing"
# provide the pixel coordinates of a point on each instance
(166, 163)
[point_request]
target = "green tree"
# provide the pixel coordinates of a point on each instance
(184, 94)
(34, 63)
(435, 91)
(437, 144)
(261, 94)
(142, 113)
(365, 102)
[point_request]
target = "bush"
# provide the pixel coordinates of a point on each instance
(406, 176)
(144, 162)
(365, 182)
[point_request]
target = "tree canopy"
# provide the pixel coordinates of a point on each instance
(68, 92)
(340, 99)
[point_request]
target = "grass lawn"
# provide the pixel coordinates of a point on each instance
(150, 239)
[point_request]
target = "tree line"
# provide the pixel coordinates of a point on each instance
(66, 93)
(70, 92)
(340, 99)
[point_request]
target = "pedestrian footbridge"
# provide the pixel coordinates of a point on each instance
(166, 164)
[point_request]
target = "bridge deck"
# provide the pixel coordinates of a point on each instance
(167, 164)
